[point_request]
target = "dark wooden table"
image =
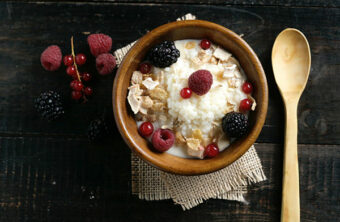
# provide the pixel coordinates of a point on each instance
(49, 171)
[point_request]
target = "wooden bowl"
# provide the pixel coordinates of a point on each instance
(191, 29)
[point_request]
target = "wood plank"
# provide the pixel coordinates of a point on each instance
(27, 28)
(287, 3)
(58, 179)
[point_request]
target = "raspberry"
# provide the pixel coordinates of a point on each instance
(51, 58)
(163, 139)
(105, 63)
(200, 82)
(99, 43)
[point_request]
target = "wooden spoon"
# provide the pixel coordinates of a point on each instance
(291, 64)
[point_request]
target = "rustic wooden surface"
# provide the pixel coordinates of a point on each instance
(49, 172)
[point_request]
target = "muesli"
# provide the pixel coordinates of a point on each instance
(190, 97)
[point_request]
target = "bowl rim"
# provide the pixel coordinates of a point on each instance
(253, 135)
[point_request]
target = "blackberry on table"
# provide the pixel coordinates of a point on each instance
(235, 124)
(49, 105)
(164, 54)
(98, 130)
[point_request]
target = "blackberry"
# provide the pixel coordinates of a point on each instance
(235, 124)
(164, 54)
(49, 105)
(98, 130)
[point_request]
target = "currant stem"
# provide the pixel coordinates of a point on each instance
(74, 59)
(76, 67)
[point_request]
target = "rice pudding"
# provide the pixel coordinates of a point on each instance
(182, 95)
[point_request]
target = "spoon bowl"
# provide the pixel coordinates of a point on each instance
(291, 61)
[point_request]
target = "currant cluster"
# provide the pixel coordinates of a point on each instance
(79, 90)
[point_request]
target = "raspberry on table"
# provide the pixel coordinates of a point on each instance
(235, 124)
(200, 82)
(105, 63)
(51, 58)
(49, 105)
(164, 54)
(99, 43)
(163, 139)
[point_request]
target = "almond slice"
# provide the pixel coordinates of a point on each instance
(229, 71)
(147, 102)
(137, 77)
(221, 54)
(190, 45)
(159, 94)
(179, 137)
(150, 84)
(197, 134)
(194, 148)
(134, 102)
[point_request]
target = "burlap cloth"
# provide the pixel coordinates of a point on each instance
(229, 183)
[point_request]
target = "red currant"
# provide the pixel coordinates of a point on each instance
(71, 70)
(145, 68)
(76, 95)
(80, 59)
(247, 87)
(68, 60)
(245, 105)
(88, 91)
(186, 93)
(86, 76)
(211, 150)
(205, 44)
(73, 83)
(77, 85)
(146, 129)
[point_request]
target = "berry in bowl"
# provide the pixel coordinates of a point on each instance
(190, 97)
(194, 94)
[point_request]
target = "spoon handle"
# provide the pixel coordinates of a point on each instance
(290, 208)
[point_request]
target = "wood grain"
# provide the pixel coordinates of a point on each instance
(49, 172)
(286, 3)
(20, 70)
(291, 61)
(60, 179)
